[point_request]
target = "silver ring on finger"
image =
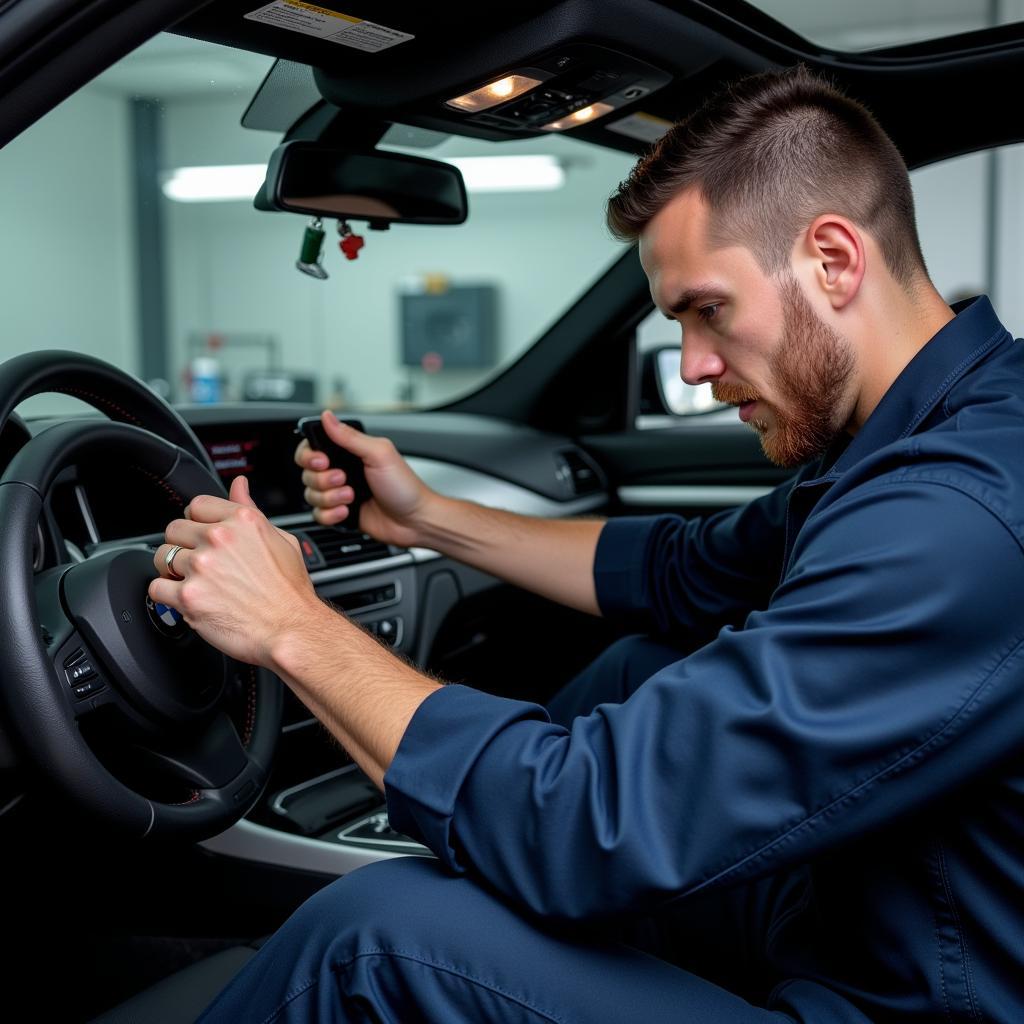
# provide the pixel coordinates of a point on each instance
(169, 562)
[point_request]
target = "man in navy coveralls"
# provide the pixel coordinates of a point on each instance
(797, 792)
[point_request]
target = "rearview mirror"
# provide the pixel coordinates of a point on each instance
(382, 188)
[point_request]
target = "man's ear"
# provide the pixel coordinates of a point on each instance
(837, 254)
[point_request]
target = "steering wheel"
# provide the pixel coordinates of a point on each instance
(100, 681)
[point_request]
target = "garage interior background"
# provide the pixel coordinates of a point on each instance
(67, 206)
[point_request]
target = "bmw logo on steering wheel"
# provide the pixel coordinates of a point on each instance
(167, 620)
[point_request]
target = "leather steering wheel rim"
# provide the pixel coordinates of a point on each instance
(117, 394)
(221, 768)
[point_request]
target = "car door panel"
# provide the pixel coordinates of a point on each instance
(691, 468)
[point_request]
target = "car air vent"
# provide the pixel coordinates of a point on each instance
(343, 547)
(576, 474)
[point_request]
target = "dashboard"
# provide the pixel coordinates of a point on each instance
(404, 597)
(489, 461)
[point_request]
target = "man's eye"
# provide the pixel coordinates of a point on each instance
(708, 312)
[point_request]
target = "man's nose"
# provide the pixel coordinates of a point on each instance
(700, 363)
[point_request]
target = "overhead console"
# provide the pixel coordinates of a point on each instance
(541, 67)
(568, 87)
(561, 90)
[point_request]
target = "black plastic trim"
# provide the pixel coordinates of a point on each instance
(87, 38)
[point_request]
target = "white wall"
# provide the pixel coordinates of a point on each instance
(66, 275)
(233, 269)
(1009, 271)
(952, 215)
(951, 202)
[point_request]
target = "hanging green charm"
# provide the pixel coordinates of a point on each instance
(312, 246)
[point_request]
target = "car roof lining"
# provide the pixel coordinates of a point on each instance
(937, 99)
(931, 113)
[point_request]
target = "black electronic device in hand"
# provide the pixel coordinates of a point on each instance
(313, 431)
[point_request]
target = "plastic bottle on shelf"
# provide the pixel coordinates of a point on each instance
(205, 376)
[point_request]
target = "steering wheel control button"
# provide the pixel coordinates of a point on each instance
(78, 668)
(79, 672)
(87, 689)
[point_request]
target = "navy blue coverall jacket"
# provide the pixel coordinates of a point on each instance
(853, 714)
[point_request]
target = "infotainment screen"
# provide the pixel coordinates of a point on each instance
(264, 453)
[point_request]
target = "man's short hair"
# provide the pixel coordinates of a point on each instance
(769, 153)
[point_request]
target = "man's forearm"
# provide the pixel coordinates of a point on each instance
(551, 557)
(361, 692)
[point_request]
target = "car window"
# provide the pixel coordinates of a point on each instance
(873, 24)
(109, 252)
(968, 209)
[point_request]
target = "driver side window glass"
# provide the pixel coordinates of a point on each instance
(969, 214)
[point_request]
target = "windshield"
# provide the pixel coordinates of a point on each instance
(198, 293)
(875, 24)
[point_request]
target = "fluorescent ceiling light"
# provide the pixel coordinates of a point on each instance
(510, 173)
(214, 184)
(481, 174)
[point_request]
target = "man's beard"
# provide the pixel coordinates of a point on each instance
(810, 369)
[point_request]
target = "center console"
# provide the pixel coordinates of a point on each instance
(345, 808)
(320, 811)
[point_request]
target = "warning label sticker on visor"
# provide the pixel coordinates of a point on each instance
(311, 20)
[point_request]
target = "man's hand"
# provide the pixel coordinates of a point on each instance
(399, 498)
(244, 584)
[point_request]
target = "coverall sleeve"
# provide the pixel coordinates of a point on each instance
(884, 672)
(673, 575)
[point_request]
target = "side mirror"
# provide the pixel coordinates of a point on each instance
(663, 391)
(382, 188)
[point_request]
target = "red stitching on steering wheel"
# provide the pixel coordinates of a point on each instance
(174, 497)
(250, 713)
(101, 400)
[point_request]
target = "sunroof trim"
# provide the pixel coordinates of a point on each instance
(889, 24)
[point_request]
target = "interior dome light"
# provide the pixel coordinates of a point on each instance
(578, 117)
(491, 95)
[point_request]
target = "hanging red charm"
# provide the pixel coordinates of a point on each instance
(350, 244)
